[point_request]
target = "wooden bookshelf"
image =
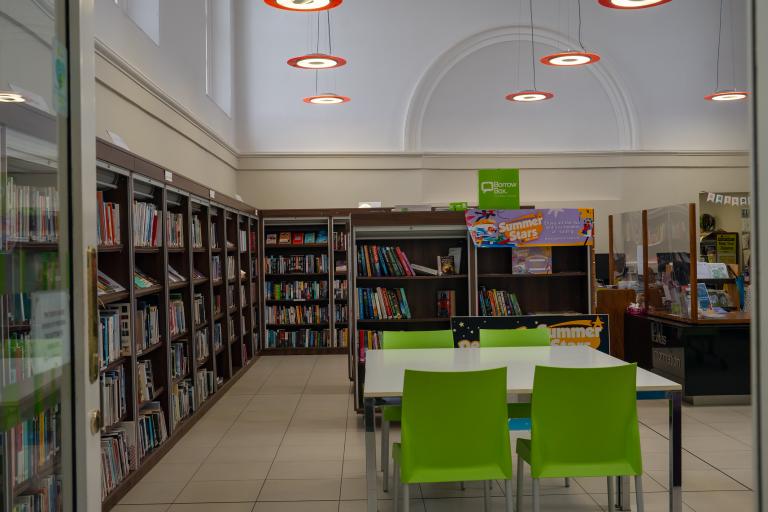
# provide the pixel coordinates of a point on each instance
(123, 179)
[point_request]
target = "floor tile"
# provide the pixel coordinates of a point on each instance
(232, 471)
(141, 508)
(172, 472)
(720, 501)
(654, 502)
(243, 453)
(297, 506)
(304, 470)
(300, 490)
(600, 485)
(728, 459)
(701, 480)
(302, 453)
(417, 505)
(208, 507)
(148, 492)
(220, 491)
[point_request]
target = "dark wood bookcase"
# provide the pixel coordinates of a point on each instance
(124, 178)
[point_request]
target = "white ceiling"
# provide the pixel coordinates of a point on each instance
(431, 75)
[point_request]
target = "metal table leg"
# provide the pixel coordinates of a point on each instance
(675, 452)
(370, 455)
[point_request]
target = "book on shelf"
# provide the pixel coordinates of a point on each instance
(106, 285)
(340, 266)
(217, 304)
(216, 274)
(20, 307)
(45, 495)
(321, 237)
(231, 295)
(340, 313)
(118, 455)
(201, 344)
(532, 260)
(367, 340)
(309, 237)
(298, 338)
(114, 333)
(424, 271)
(341, 337)
(31, 213)
(198, 308)
(179, 360)
(17, 358)
(231, 325)
(271, 239)
(147, 325)
(382, 261)
(230, 267)
(182, 399)
(145, 389)
(252, 242)
(298, 314)
(446, 303)
(243, 240)
(174, 276)
(214, 235)
(456, 253)
(296, 290)
(33, 443)
(285, 238)
(142, 280)
(340, 240)
(174, 229)
(146, 224)
(114, 403)
(446, 266)
(197, 232)
(218, 337)
(152, 428)
(382, 304)
(176, 317)
(340, 289)
(498, 303)
(298, 264)
(197, 275)
(108, 226)
(230, 245)
(205, 382)
(298, 238)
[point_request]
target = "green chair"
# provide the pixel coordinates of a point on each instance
(390, 413)
(454, 429)
(583, 424)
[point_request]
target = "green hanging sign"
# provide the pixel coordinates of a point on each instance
(498, 189)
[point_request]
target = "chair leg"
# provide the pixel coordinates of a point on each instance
(406, 498)
(486, 498)
(396, 484)
(611, 495)
(519, 495)
(536, 495)
(639, 493)
(567, 482)
(508, 502)
(385, 454)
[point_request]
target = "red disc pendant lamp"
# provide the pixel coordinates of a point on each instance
(632, 4)
(304, 5)
(721, 94)
(326, 98)
(572, 58)
(533, 94)
(317, 61)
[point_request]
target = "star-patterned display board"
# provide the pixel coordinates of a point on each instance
(590, 330)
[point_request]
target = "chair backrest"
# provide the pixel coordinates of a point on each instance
(585, 416)
(455, 420)
(538, 337)
(417, 339)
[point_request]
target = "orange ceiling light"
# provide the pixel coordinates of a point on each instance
(327, 98)
(632, 4)
(570, 59)
(721, 93)
(727, 96)
(529, 96)
(11, 97)
(304, 5)
(317, 61)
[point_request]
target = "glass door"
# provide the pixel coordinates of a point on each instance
(36, 396)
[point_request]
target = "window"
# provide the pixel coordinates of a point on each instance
(145, 14)
(218, 53)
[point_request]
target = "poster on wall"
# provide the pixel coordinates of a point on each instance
(498, 189)
(568, 330)
(531, 228)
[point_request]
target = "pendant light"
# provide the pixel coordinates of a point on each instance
(11, 97)
(572, 58)
(731, 94)
(320, 61)
(304, 5)
(632, 4)
(533, 94)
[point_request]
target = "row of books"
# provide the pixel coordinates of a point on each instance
(174, 276)
(147, 325)
(197, 232)
(216, 274)
(114, 401)
(201, 344)
(179, 360)
(218, 303)
(174, 229)
(114, 333)
(301, 338)
(296, 290)
(298, 237)
(218, 337)
(146, 224)
(31, 213)
(142, 280)
(299, 314)
(382, 304)
(19, 307)
(298, 264)
(230, 267)
(340, 240)
(231, 295)
(341, 337)
(198, 308)
(197, 275)
(177, 323)
(340, 313)
(242, 240)
(205, 382)
(214, 234)
(376, 260)
(340, 289)
(45, 496)
(182, 400)
(145, 388)
(106, 285)
(243, 295)
(340, 266)
(367, 340)
(17, 358)
(118, 455)
(498, 303)
(108, 227)
(34, 443)
(152, 428)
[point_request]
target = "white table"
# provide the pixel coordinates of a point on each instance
(384, 371)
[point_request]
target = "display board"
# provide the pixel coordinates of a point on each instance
(531, 228)
(589, 330)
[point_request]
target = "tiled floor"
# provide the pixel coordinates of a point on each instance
(286, 438)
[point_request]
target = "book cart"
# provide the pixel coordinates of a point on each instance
(178, 308)
(691, 339)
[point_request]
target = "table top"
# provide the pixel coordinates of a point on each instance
(384, 369)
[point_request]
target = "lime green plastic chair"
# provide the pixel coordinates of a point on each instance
(583, 424)
(390, 413)
(454, 429)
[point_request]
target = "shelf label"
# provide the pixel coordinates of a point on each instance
(212, 194)
(169, 176)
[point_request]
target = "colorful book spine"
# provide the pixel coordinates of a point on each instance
(382, 261)
(296, 290)
(297, 315)
(174, 229)
(300, 338)
(382, 304)
(298, 264)
(146, 224)
(108, 227)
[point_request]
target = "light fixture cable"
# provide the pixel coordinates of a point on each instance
(578, 3)
(533, 58)
(719, 37)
